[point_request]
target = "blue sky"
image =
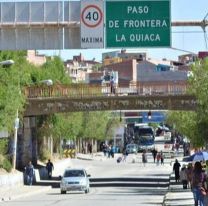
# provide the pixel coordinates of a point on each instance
(184, 38)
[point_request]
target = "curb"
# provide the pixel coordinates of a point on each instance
(84, 158)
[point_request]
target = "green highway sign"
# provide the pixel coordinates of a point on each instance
(138, 23)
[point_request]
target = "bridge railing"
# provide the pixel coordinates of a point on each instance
(73, 91)
(86, 90)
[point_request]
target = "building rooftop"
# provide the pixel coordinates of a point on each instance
(146, 72)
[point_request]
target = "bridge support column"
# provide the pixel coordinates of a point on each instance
(28, 143)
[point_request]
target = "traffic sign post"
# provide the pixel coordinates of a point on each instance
(92, 24)
(138, 23)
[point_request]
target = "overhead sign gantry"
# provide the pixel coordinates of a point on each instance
(85, 24)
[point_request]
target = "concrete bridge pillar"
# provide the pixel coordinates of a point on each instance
(27, 143)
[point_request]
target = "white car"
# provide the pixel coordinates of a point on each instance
(75, 180)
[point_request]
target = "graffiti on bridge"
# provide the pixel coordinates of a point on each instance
(49, 106)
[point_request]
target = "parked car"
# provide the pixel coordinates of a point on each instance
(75, 180)
(131, 148)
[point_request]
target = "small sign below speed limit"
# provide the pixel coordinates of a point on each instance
(92, 27)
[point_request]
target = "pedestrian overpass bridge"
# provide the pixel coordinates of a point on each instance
(45, 100)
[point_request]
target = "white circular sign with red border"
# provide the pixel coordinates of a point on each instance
(91, 16)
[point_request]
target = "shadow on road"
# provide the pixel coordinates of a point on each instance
(54, 182)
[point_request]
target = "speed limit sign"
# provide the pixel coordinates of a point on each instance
(92, 27)
(92, 16)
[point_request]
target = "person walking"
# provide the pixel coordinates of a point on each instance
(89, 147)
(29, 172)
(144, 157)
(49, 167)
(104, 149)
(198, 181)
(109, 151)
(125, 154)
(189, 171)
(158, 158)
(183, 176)
(161, 158)
(154, 154)
(176, 169)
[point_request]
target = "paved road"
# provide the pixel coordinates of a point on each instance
(101, 197)
(111, 196)
(109, 167)
(108, 196)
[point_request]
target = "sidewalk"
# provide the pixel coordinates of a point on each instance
(177, 195)
(12, 193)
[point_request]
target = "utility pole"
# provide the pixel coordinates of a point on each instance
(16, 126)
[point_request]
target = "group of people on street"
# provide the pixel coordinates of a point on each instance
(158, 157)
(108, 150)
(30, 171)
(194, 177)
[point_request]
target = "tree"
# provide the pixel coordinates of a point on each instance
(11, 96)
(66, 126)
(199, 87)
(195, 124)
(185, 123)
(21, 74)
(98, 125)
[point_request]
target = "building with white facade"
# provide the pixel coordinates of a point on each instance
(78, 67)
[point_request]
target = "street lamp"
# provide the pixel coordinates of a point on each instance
(48, 82)
(7, 63)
